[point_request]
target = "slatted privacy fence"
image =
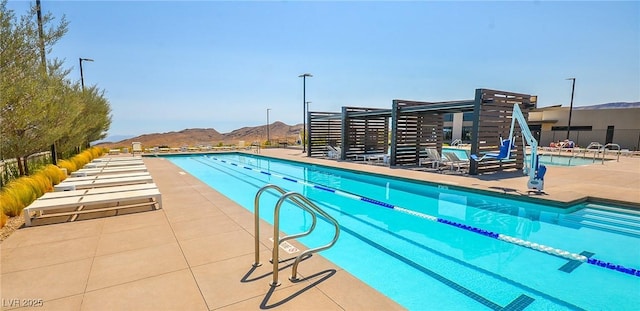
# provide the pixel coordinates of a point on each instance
(365, 131)
(325, 129)
(493, 112)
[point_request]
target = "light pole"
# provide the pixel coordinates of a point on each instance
(573, 87)
(304, 108)
(268, 138)
(81, 76)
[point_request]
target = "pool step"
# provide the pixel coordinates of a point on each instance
(602, 208)
(611, 220)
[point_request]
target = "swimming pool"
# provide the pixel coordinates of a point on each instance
(546, 159)
(390, 242)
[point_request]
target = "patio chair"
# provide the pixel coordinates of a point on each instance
(377, 158)
(455, 162)
(102, 182)
(93, 191)
(92, 203)
(334, 152)
(501, 155)
(112, 159)
(136, 147)
(430, 156)
(114, 163)
(108, 170)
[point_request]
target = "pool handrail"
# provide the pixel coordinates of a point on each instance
(256, 220)
(297, 198)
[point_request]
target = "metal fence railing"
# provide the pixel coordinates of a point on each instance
(9, 167)
(627, 139)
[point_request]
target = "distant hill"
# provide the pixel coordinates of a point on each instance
(278, 131)
(618, 105)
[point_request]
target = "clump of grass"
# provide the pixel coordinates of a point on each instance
(68, 165)
(11, 207)
(33, 183)
(97, 152)
(82, 159)
(3, 219)
(16, 196)
(53, 173)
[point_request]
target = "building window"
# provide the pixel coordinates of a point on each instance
(466, 133)
(573, 128)
(467, 116)
(447, 117)
(448, 133)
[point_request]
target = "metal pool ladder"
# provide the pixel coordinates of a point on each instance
(306, 205)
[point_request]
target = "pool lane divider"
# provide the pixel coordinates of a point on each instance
(502, 237)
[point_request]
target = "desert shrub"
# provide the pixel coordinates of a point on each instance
(10, 205)
(97, 152)
(70, 166)
(54, 173)
(34, 183)
(43, 182)
(81, 159)
(16, 196)
(3, 219)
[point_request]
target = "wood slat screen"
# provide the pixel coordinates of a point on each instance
(325, 128)
(414, 132)
(364, 134)
(492, 120)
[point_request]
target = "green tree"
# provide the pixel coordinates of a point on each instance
(38, 108)
(91, 124)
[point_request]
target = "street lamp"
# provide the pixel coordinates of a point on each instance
(304, 108)
(573, 87)
(268, 138)
(81, 76)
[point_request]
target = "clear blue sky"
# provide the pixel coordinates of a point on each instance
(171, 65)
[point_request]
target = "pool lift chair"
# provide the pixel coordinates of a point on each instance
(534, 169)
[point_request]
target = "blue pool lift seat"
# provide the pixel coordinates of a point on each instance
(501, 155)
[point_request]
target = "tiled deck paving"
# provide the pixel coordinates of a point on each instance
(196, 253)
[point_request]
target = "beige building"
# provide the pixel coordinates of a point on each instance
(618, 125)
(609, 123)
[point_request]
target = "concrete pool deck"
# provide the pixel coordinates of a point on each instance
(196, 252)
(614, 181)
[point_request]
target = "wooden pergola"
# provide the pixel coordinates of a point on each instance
(417, 125)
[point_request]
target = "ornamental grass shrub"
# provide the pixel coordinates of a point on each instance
(21, 192)
(81, 159)
(53, 173)
(68, 165)
(3, 220)
(16, 196)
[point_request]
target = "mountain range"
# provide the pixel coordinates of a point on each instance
(278, 132)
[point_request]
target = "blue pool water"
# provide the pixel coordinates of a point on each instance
(546, 159)
(422, 264)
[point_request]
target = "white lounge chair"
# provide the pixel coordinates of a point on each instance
(113, 164)
(114, 159)
(430, 156)
(334, 152)
(92, 191)
(105, 176)
(93, 203)
(136, 147)
(104, 182)
(378, 157)
(108, 170)
(455, 162)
